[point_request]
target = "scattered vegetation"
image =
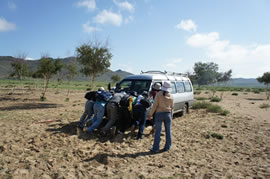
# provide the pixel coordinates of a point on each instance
(210, 108)
(264, 106)
(215, 99)
(201, 98)
(256, 91)
(217, 136)
(214, 135)
(234, 94)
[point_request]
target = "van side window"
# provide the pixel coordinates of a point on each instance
(173, 88)
(180, 87)
(188, 87)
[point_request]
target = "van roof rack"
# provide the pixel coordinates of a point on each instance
(165, 73)
(154, 72)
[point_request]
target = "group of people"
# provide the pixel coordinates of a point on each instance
(124, 111)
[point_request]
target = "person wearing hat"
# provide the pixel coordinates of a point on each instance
(163, 108)
(155, 89)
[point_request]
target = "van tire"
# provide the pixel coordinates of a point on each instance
(185, 110)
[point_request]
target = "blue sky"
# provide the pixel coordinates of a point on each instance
(144, 34)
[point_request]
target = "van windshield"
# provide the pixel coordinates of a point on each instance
(133, 85)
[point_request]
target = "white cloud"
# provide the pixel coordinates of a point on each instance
(89, 4)
(29, 58)
(187, 25)
(6, 26)
(125, 5)
(88, 29)
(107, 17)
(174, 63)
(128, 19)
(246, 61)
(12, 5)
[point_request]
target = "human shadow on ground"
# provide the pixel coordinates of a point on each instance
(30, 106)
(70, 128)
(73, 129)
(103, 157)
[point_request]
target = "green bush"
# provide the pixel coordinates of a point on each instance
(201, 105)
(214, 109)
(217, 136)
(235, 94)
(256, 91)
(210, 107)
(214, 135)
(264, 106)
(201, 98)
(224, 112)
(215, 99)
(197, 92)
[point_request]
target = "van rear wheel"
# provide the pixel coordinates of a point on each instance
(185, 110)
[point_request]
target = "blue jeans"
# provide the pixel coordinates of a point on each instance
(167, 119)
(140, 117)
(87, 114)
(99, 110)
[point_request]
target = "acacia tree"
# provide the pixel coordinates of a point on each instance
(224, 77)
(95, 59)
(71, 72)
(19, 66)
(205, 73)
(115, 78)
(265, 79)
(58, 67)
(46, 69)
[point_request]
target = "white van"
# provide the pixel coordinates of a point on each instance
(182, 89)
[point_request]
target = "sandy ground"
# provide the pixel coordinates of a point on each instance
(40, 140)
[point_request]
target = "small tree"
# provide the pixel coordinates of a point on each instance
(115, 78)
(265, 79)
(46, 69)
(224, 78)
(58, 67)
(19, 66)
(71, 72)
(95, 59)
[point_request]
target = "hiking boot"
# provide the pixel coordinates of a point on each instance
(113, 130)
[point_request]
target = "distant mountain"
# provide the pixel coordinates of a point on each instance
(6, 70)
(245, 82)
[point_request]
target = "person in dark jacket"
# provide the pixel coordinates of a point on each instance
(113, 115)
(139, 111)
